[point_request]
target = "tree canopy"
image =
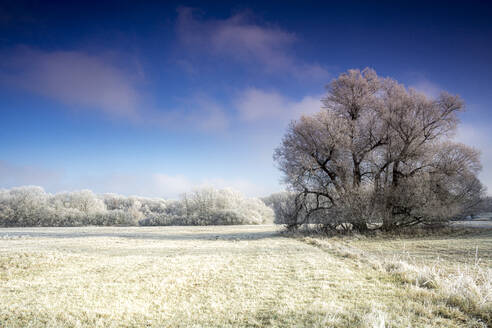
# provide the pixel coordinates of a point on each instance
(378, 154)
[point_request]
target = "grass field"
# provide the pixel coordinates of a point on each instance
(241, 276)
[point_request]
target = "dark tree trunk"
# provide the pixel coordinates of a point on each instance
(357, 175)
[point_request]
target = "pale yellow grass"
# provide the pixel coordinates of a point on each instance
(455, 267)
(236, 276)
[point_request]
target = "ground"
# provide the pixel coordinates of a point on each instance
(238, 276)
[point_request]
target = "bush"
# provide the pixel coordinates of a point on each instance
(212, 207)
(32, 206)
(113, 218)
(286, 207)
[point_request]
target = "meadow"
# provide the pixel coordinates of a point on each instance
(242, 276)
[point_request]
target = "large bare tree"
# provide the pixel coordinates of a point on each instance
(378, 154)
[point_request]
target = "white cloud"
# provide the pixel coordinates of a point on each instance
(256, 105)
(425, 86)
(12, 175)
(198, 111)
(166, 185)
(239, 38)
(142, 184)
(84, 81)
(148, 185)
(74, 78)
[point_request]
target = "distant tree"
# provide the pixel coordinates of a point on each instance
(485, 205)
(23, 206)
(32, 206)
(211, 206)
(287, 210)
(379, 154)
(482, 206)
(84, 200)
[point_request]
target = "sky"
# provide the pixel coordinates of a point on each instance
(158, 98)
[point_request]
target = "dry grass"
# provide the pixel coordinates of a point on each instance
(455, 266)
(239, 276)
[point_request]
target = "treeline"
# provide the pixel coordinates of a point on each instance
(32, 206)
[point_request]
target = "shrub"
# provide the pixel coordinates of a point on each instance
(32, 206)
(284, 207)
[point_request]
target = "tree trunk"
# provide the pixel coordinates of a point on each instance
(357, 175)
(395, 174)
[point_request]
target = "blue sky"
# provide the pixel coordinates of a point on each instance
(157, 98)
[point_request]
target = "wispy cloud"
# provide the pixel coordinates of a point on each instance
(259, 105)
(175, 185)
(74, 78)
(150, 184)
(84, 81)
(422, 84)
(169, 186)
(15, 175)
(240, 38)
(198, 111)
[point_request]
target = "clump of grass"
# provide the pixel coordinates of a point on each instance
(423, 276)
(375, 319)
(470, 289)
(467, 287)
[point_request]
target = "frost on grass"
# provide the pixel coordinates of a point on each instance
(230, 276)
(375, 319)
(466, 286)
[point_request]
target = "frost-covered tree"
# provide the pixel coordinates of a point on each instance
(32, 206)
(84, 200)
(212, 206)
(23, 206)
(379, 153)
(286, 208)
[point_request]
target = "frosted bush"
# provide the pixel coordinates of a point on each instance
(211, 206)
(283, 206)
(113, 217)
(32, 206)
(24, 206)
(468, 287)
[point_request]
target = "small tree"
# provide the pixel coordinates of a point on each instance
(288, 208)
(379, 154)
